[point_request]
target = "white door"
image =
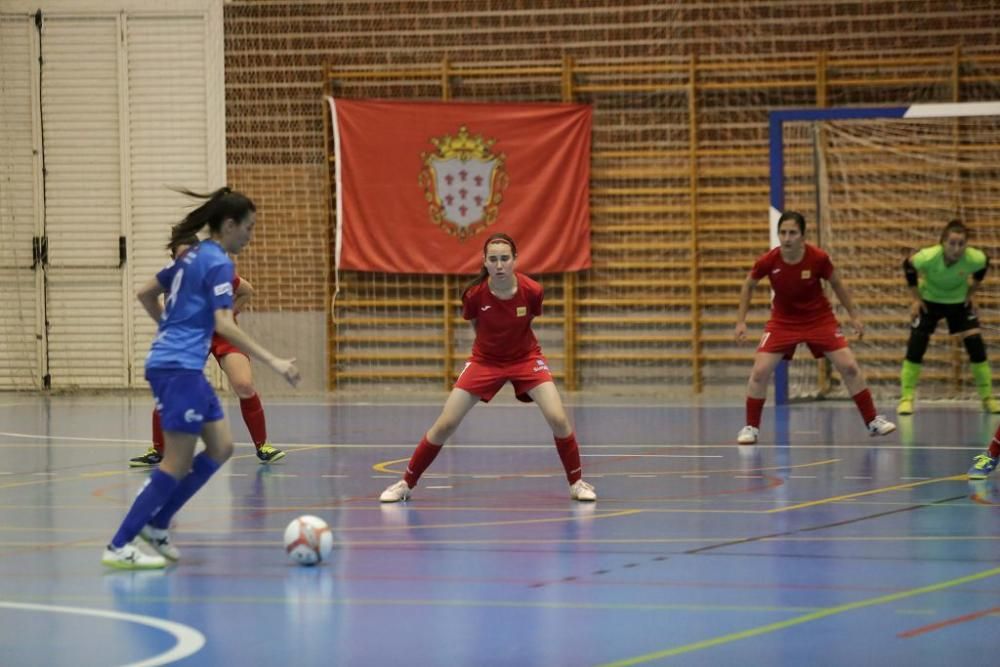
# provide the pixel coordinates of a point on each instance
(22, 360)
(81, 65)
(125, 105)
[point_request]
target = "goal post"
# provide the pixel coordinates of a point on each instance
(902, 170)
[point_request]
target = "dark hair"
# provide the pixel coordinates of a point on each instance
(499, 237)
(955, 226)
(799, 219)
(187, 240)
(221, 205)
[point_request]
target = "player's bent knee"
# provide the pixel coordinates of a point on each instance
(976, 348)
(244, 389)
(221, 452)
(850, 371)
(561, 425)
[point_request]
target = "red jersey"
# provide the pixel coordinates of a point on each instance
(503, 327)
(798, 293)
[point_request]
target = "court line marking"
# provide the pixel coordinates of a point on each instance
(662, 456)
(862, 445)
(269, 543)
(189, 640)
(896, 487)
(799, 620)
(383, 467)
(944, 624)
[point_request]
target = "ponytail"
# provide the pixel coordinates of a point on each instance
(222, 204)
(188, 240)
(483, 273)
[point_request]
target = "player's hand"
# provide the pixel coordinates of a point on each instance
(917, 308)
(858, 326)
(740, 333)
(287, 369)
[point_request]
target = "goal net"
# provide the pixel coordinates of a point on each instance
(876, 185)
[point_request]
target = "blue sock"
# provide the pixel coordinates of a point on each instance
(202, 468)
(158, 489)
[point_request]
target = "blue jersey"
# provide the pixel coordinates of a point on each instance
(197, 283)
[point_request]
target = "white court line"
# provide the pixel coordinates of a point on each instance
(662, 456)
(862, 445)
(189, 640)
(437, 487)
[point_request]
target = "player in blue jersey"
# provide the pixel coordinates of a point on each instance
(199, 301)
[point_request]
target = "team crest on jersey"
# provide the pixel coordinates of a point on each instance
(522, 311)
(806, 274)
(463, 183)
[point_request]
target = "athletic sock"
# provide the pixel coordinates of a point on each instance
(569, 454)
(157, 432)
(983, 377)
(755, 406)
(202, 468)
(159, 487)
(866, 406)
(253, 417)
(908, 378)
(423, 457)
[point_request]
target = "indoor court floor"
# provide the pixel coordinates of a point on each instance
(819, 546)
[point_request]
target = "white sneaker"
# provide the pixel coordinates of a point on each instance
(880, 426)
(159, 539)
(130, 557)
(748, 435)
(582, 491)
(395, 493)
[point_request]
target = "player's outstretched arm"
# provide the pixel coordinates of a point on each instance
(226, 327)
(844, 296)
(242, 295)
(149, 296)
(913, 284)
(746, 293)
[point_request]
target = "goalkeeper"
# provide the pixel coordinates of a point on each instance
(942, 279)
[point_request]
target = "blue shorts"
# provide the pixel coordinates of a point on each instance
(184, 399)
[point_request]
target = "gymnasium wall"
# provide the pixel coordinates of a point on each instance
(278, 56)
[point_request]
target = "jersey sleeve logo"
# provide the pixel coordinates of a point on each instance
(224, 288)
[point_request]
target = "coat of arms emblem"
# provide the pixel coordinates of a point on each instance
(463, 183)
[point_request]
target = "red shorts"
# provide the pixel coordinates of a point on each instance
(821, 337)
(484, 379)
(221, 347)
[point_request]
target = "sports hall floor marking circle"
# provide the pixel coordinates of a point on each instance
(189, 640)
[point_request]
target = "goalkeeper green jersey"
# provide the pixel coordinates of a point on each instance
(943, 283)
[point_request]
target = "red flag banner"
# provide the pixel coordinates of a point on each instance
(420, 185)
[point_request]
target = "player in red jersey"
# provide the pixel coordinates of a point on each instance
(500, 303)
(236, 365)
(800, 313)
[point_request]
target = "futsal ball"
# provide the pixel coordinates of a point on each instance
(308, 540)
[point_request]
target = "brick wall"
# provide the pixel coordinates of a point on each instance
(275, 52)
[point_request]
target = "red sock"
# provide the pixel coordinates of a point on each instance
(157, 432)
(755, 406)
(569, 454)
(994, 449)
(253, 416)
(866, 406)
(423, 456)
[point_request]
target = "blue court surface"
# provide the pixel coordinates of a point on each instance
(819, 546)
